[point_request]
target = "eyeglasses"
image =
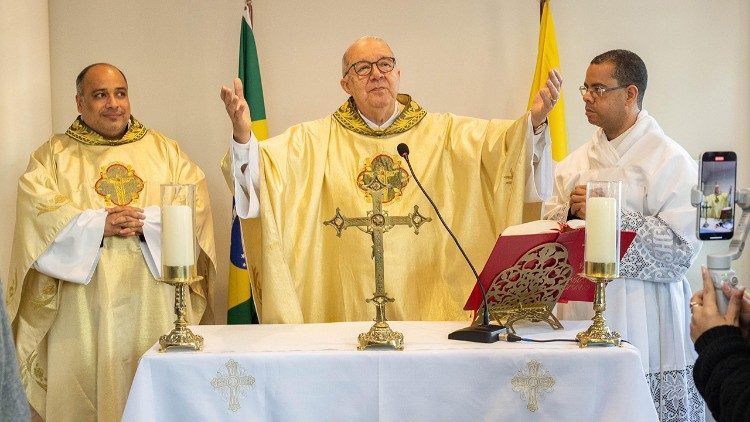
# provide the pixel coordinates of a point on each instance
(599, 90)
(364, 68)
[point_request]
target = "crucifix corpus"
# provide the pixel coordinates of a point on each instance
(382, 180)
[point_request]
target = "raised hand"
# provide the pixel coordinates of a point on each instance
(238, 111)
(546, 98)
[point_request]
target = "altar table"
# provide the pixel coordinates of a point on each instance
(313, 372)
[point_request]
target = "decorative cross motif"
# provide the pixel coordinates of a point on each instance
(118, 184)
(508, 178)
(532, 381)
(383, 173)
(382, 180)
(232, 383)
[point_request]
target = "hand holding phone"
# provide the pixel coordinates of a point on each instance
(720, 277)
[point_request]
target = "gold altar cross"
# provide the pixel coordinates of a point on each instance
(382, 181)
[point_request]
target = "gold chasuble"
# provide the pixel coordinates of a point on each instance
(78, 345)
(715, 204)
(302, 272)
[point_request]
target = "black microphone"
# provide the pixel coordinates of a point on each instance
(485, 332)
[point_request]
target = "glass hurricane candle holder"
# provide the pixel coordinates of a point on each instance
(601, 254)
(178, 256)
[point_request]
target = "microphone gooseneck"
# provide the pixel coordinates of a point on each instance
(411, 170)
(403, 151)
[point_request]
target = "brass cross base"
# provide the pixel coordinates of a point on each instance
(598, 333)
(180, 336)
(380, 333)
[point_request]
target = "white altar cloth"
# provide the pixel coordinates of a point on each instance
(313, 372)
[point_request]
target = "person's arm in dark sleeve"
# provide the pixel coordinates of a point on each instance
(722, 373)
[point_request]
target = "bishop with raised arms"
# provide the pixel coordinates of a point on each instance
(478, 171)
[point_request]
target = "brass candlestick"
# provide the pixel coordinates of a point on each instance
(180, 336)
(178, 252)
(598, 333)
(602, 255)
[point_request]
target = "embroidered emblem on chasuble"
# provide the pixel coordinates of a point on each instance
(31, 369)
(383, 172)
(55, 203)
(118, 184)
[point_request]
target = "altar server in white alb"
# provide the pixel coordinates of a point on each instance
(648, 305)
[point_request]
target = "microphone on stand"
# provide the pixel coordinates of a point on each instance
(485, 332)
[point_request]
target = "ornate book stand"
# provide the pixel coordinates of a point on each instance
(530, 289)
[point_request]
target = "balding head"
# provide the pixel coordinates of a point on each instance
(374, 86)
(82, 75)
(361, 43)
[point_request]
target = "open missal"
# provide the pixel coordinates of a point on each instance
(532, 267)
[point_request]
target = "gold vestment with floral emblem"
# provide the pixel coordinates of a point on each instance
(301, 271)
(78, 345)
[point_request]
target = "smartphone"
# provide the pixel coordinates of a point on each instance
(717, 179)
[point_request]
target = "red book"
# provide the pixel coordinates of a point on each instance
(510, 247)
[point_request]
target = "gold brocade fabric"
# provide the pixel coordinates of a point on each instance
(348, 116)
(84, 134)
(302, 272)
(79, 345)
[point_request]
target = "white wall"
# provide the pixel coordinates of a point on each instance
(25, 102)
(471, 57)
(176, 55)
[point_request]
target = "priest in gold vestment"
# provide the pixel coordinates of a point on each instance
(477, 171)
(716, 202)
(82, 291)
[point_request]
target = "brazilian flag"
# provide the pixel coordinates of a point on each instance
(240, 306)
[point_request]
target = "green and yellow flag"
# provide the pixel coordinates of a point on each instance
(547, 58)
(240, 306)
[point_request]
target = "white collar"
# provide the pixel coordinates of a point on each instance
(385, 124)
(616, 142)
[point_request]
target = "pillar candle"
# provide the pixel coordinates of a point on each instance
(601, 230)
(177, 236)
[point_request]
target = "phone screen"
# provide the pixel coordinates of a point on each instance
(717, 181)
